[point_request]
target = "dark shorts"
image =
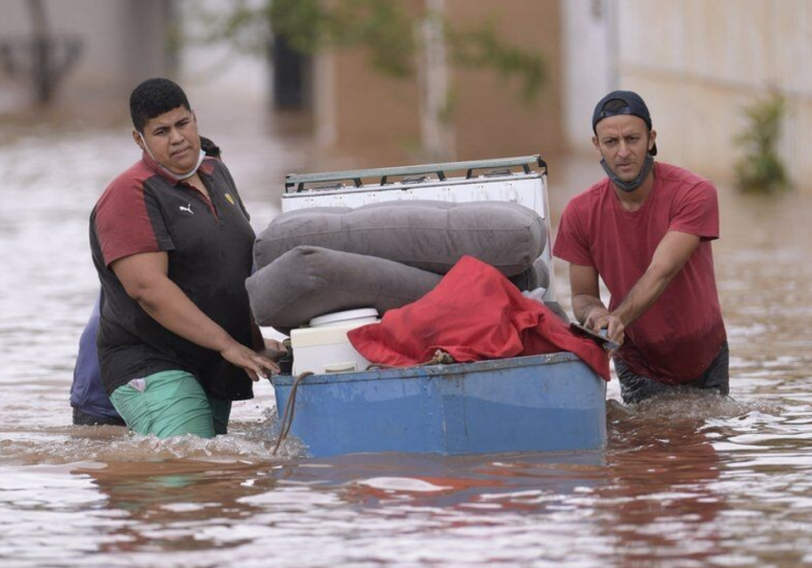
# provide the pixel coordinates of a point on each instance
(635, 388)
(84, 419)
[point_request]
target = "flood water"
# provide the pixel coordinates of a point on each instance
(690, 481)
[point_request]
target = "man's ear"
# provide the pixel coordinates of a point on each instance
(595, 143)
(652, 136)
(139, 140)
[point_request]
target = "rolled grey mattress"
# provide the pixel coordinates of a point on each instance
(429, 235)
(537, 276)
(308, 281)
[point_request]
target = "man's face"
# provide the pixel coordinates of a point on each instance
(173, 140)
(623, 141)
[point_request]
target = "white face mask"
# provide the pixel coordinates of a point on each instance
(179, 177)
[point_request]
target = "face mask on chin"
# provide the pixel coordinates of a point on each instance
(178, 177)
(629, 186)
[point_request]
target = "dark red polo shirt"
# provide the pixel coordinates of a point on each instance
(676, 339)
(209, 244)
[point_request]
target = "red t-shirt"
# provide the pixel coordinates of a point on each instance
(676, 339)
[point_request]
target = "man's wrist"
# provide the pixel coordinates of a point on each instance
(584, 304)
(596, 311)
(224, 343)
(621, 314)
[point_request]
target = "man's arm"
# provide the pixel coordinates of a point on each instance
(669, 257)
(586, 294)
(144, 277)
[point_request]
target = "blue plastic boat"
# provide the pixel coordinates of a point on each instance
(539, 403)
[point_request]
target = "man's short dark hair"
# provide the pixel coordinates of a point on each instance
(155, 97)
(211, 149)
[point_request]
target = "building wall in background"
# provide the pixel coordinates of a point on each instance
(124, 41)
(589, 69)
(490, 118)
(697, 63)
(359, 110)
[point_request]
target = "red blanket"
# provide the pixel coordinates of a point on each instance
(474, 314)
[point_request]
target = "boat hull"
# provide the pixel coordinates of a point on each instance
(540, 403)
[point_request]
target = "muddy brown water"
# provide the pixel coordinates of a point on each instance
(683, 481)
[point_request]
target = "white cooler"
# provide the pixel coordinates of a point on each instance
(324, 347)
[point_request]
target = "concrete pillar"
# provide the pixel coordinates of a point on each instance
(590, 59)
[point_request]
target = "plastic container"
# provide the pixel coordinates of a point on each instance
(323, 348)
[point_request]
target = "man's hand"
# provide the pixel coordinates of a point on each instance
(252, 363)
(600, 318)
(274, 350)
(596, 318)
(274, 345)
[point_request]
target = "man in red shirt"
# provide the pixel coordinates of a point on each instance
(646, 231)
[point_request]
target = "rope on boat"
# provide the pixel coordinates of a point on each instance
(440, 358)
(287, 417)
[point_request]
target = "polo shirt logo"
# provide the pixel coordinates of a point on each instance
(188, 208)
(230, 199)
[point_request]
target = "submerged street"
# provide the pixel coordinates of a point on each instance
(691, 481)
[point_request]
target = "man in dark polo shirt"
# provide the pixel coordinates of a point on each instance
(171, 242)
(91, 404)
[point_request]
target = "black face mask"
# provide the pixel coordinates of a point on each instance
(629, 186)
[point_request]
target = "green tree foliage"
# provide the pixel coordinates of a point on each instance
(383, 27)
(761, 169)
(481, 47)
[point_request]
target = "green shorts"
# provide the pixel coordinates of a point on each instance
(171, 403)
